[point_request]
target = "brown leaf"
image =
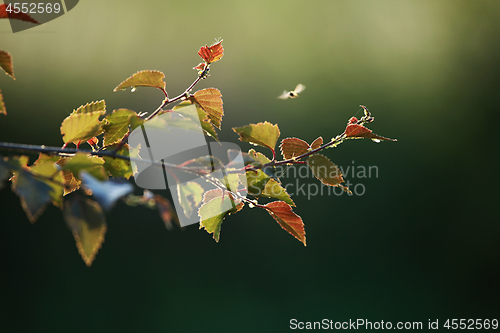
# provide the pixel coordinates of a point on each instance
(327, 172)
(287, 219)
(356, 131)
(211, 53)
(6, 63)
(2, 105)
(317, 143)
(292, 147)
(210, 100)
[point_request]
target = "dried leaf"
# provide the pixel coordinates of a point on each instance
(6, 61)
(144, 79)
(18, 16)
(211, 53)
(264, 134)
(292, 147)
(85, 218)
(355, 131)
(287, 219)
(81, 126)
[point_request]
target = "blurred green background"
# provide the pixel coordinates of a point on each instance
(420, 244)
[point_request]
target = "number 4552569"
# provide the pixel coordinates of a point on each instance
(471, 324)
(33, 8)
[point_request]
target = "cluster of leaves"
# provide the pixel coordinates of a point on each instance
(85, 184)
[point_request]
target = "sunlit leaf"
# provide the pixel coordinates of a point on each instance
(263, 134)
(259, 157)
(317, 143)
(2, 104)
(327, 172)
(211, 53)
(34, 193)
(206, 123)
(256, 182)
(71, 183)
(216, 206)
(293, 147)
(287, 219)
(83, 162)
(107, 192)
(18, 16)
(355, 131)
(118, 167)
(81, 126)
(273, 189)
(91, 107)
(46, 167)
(117, 125)
(86, 220)
(144, 79)
(190, 196)
(210, 100)
(6, 62)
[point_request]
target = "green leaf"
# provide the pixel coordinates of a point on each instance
(117, 125)
(210, 101)
(259, 157)
(256, 182)
(292, 147)
(190, 196)
(144, 79)
(118, 167)
(91, 107)
(263, 134)
(34, 193)
(273, 189)
(84, 162)
(81, 126)
(327, 172)
(215, 208)
(205, 122)
(6, 63)
(85, 218)
(46, 167)
(2, 105)
(106, 192)
(287, 219)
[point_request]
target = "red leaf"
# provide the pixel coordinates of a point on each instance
(18, 16)
(287, 219)
(211, 53)
(359, 131)
(317, 143)
(292, 147)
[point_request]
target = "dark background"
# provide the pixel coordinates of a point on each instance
(420, 244)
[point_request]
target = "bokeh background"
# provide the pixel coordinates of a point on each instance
(421, 243)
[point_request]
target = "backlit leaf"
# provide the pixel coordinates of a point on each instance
(211, 53)
(81, 126)
(213, 211)
(2, 105)
(317, 143)
(355, 131)
(259, 157)
(144, 79)
(273, 189)
(117, 125)
(105, 192)
(190, 196)
(327, 172)
(205, 122)
(256, 182)
(6, 62)
(210, 100)
(91, 107)
(83, 162)
(86, 220)
(46, 167)
(292, 147)
(34, 193)
(117, 167)
(264, 134)
(18, 16)
(287, 219)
